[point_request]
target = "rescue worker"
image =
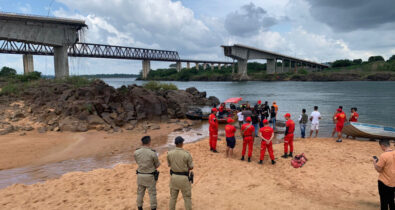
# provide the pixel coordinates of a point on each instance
(247, 131)
(340, 118)
(275, 106)
(180, 163)
(288, 136)
(353, 118)
(147, 161)
(213, 129)
(334, 121)
(266, 133)
(230, 131)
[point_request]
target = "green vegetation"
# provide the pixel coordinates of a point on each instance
(156, 86)
(93, 76)
(75, 81)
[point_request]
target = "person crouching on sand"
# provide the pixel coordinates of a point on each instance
(230, 131)
(266, 133)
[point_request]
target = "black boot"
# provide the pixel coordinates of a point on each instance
(242, 158)
(260, 162)
(140, 208)
(211, 149)
(249, 159)
(273, 162)
(215, 151)
(290, 154)
(153, 209)
(285, 155)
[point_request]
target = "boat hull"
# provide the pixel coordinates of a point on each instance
(364, 130)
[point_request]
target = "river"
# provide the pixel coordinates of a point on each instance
(374, 100)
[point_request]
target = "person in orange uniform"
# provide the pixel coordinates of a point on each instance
(266, 133)
(340, 118)
(212, 120)
(230, 131)
(354, 115)
(275, 106)
(247, 131)
(288, 136)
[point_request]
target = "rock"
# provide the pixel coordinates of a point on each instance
(117, 129)
(177, 129)
(42, 129)
(212, 100)
(94, 121)
(192, 90)
(56, 129)
(130, 127)
(73, 124)
(6, 130)
(173, 121)
(107, 128)
(23, 134)
(18, 115)
(100, 127)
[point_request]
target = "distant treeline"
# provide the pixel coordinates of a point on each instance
(110, 75)
(347, 62)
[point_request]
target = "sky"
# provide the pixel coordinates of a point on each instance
(317, 30)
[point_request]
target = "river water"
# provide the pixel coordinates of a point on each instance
(375, 102)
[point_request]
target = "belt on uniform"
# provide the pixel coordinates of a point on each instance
(179, 173)
(155, 174)
(138, 172)
(248, 136)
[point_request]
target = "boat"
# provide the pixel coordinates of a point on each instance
(194, 114)
(370, 131)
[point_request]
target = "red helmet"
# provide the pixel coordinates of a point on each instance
(287, 115)
(265, 121)
(230, 120)
(248, 119)
(339, 110)
(214, 110)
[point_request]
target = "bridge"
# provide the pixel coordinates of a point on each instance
(243, 53)
(36, 35)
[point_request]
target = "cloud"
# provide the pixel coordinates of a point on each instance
(351, 15)
(248, 20)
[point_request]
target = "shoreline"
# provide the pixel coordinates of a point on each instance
(223, 183)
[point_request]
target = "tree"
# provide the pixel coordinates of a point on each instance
(357, 61)
(392, 58)
(7, 71)
(375, 58)
(341, 63)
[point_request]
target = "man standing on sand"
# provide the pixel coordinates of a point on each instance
(340, 118)
(247, 131)
(230, 131)
(334, 121)
(315, 118)
(213, 130)
(385, 165)
(303, 121)
(240, 118)
(266, 134)
(288, 136)
(180, 163)
(147, 175)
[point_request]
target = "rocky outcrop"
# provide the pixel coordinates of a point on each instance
(99, 106)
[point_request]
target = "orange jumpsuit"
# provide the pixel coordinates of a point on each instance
(266, 132)
(248, 131)
(213, 130)
(289, 136)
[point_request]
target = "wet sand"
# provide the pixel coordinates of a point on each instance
(337, 176)
(36, 149)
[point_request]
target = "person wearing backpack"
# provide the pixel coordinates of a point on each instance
(303, 118)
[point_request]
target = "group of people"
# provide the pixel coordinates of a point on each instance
(250, 129)
(181, 165)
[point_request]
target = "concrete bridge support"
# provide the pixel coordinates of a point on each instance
(28, 65)
(197, 66)
(212, 67)
(146, 68)
(233, 68)
(204, 66)
(219, 66)
(271, 66)
(242, 68)
(188, 65)
(61, 60)
(178, 66)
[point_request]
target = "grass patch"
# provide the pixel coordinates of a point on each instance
(156, 86)
(75, 81)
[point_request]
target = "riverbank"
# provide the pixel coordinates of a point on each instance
(337, 176)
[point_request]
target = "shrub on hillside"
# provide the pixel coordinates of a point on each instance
(357, 61)
(392, 58)
(7, 71)
(375, 58)
(156, 86)
(341, 63)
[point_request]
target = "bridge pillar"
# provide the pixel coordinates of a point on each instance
(242, 68)
(212, 67)
(28, 65)
(219, 66)
(233, 68)
(146, 68)
(61, 60)
(188, 65)
(197, 66)
(204, 66)
(271, 66)
(178, 66)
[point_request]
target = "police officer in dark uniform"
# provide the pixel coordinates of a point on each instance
(147, 175)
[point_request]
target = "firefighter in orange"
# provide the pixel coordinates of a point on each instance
(288, 136)
(213, 129)
(247, 131)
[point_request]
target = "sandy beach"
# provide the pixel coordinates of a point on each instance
(337, 176)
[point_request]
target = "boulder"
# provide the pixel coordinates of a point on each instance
(94, 121)
(73, 124)
(6, 130)
(212, 100)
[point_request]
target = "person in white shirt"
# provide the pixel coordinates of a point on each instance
(315, 118)
(240, 118)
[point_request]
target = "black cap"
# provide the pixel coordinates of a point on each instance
(179, 140)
